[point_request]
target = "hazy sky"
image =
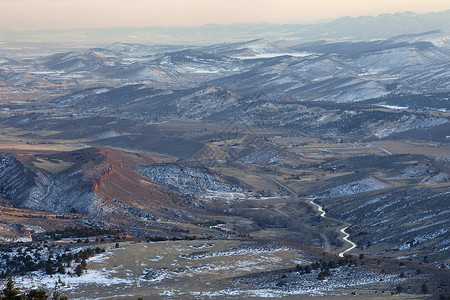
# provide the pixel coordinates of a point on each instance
(64, 14)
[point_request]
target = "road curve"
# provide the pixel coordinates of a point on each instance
(345, 237)
(319, 208)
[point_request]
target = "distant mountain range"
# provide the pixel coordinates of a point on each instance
(360, 28)
(338, 71)
(259, 82)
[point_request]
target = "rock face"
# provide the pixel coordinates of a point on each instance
(189, 179)
(27, 187)
(103, 185)
(15, 179)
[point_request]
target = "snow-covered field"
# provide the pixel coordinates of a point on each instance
(355, 187)
(141, 266)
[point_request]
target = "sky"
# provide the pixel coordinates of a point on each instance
(68, 14)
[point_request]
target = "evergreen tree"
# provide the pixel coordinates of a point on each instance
(79, 270)
(424, 288)
(321, 276)
(84, 264)
(37, 295)
(49, 268)
(60, 268)
(10, 291)
(332, 264)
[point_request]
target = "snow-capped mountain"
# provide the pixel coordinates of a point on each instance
(437, 37)
(251, 48)
(140, 49)
(88, 60)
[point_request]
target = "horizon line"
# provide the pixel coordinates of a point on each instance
(323, 21)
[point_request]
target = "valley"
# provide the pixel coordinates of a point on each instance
(260, 170)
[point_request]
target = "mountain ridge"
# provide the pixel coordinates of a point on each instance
(357, 28)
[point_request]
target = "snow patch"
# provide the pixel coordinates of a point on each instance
(355, 187)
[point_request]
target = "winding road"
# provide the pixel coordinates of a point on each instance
(345, 238)
(326, 241)
(342, 231)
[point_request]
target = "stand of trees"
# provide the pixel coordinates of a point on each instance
(54, 264)
(75, 233)
(11, 293)
(325, 267)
